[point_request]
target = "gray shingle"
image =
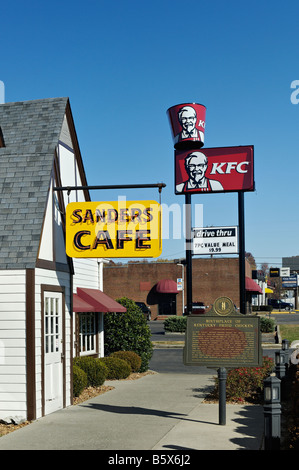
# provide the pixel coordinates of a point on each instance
(31, 131)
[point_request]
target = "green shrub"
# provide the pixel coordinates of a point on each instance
(96, 371)
(246, 383)
(79, 380)
(116, 368)
(175, 324)
(267, 325)
(262, 308)
(131, 357)
(266, 308)
(128, 331)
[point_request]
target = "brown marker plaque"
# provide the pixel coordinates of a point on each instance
(223, 338)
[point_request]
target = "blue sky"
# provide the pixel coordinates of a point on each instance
(124, 63)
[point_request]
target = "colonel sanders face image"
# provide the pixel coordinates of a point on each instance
(196, 164)
(187, 118)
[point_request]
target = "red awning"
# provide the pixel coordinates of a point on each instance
(94, 300)
(252, 286)
(80, 306)
(166, 286)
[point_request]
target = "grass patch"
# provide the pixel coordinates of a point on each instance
(289, 332)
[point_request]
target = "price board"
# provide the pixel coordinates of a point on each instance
(215, 240)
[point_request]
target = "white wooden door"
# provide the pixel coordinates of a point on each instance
(53, 351)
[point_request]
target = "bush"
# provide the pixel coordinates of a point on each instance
(246, 383)
(116, 368)
(79, 380)
(266, 308)
(262, 308)
(96, 371)
(267, 325)
(131, 357)
(175, 324)
(128, 331)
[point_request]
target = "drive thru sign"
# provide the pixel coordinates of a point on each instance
(215, 240)
(118, 229)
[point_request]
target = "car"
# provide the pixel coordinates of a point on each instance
(145, 309)
(280, 304)
(197, 308)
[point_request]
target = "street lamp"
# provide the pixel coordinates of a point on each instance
(280, 364)
(272, 413)
(285, 347)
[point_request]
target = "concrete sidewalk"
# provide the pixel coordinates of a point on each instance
(161, 411)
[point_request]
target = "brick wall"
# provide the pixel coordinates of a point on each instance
(212, 278)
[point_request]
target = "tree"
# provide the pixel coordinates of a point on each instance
(128, 331)
(251, 260)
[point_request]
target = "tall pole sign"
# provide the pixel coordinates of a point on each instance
(188, 122)
(209, 170)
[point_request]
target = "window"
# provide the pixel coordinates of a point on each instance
(87, 333)
(52, 312)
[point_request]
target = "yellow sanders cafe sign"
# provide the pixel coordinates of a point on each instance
(118, 229)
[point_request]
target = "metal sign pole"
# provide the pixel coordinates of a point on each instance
(113, 186)
(242, 252)
(222, 375)
(188, 253)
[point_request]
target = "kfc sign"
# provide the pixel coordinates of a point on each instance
(223, 169)
(188, 123)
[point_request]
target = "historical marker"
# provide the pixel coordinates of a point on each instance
(223, 338)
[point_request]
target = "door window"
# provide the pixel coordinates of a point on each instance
(52, 317)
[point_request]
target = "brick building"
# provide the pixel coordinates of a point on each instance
(146, 282)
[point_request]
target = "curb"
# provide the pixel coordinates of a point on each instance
(168, 344)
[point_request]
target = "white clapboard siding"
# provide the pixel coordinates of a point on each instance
(7, 409)
(7, 325)
(13, 379)
(15, 315)
(12, 388)
(11, 352)
(12, 370)
(11, 290)
(86, 273)
(13, 343)
(11, 397)
(10, 334)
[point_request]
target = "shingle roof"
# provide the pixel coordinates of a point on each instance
(31, 131)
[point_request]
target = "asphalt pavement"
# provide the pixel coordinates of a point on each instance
(162, 412)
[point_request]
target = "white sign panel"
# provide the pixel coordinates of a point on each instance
(179, 283)
(284, 272)
(215, 240)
